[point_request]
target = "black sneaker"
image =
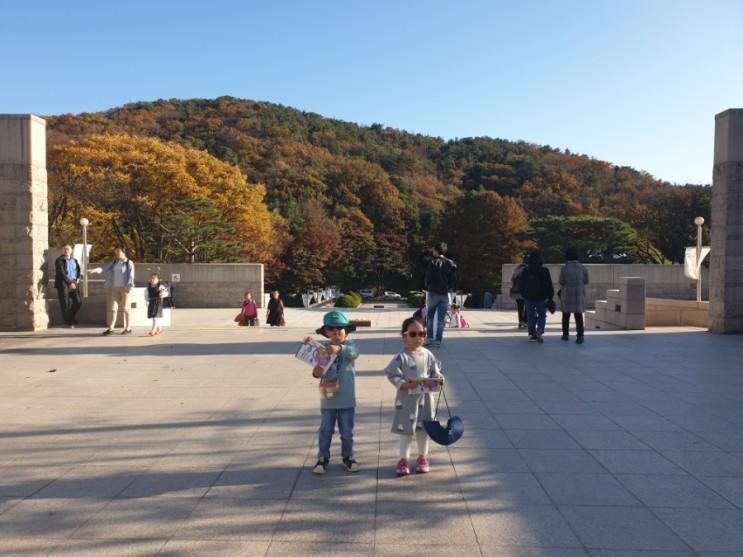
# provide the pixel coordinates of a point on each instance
(579, 340)
(108, 332)
(320, 467)
(351, 465)
(126, 332)
(540, 340)
(564, 337)
(532, 338)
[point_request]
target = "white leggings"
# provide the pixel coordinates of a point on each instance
(156, 323)
(406, 443)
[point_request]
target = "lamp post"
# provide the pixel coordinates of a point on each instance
(699, 221)
(84, 223)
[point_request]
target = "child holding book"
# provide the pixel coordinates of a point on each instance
(155, 294)
(337, 404)
(416, 374)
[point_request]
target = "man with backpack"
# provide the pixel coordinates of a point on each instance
(439, 280)
(119, 283)
(538, 292)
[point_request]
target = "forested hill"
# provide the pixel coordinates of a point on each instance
(386, 191)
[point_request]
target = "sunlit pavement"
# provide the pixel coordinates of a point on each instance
(200, 442)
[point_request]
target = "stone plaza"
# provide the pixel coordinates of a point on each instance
(201, 442)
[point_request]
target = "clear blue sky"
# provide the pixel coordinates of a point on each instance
(632, 82)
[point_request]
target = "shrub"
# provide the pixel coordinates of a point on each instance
(415, 299)
(358, 297)
(348, 301)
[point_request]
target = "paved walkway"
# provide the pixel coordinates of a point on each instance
(199, 442)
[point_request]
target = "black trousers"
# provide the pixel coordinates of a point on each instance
(69, 302)
(521, 310)
(578, 323)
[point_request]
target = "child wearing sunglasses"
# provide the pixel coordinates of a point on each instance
(416, 374)
(340, 406)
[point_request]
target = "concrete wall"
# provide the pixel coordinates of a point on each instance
(24, 222)
(726, 257)
(661, 281)
(676, 313)
(202, 285)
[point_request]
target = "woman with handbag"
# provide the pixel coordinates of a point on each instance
(249, 312)
(275, 311)
(572, 294)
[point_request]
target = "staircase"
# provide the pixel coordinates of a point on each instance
(623, 309)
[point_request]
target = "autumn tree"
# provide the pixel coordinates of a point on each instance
(129, 186)
(481, 229)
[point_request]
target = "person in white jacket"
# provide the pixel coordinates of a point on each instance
(119, 275)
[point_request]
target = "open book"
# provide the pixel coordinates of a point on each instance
(308, 352)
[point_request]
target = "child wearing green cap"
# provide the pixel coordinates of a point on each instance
(337, 405)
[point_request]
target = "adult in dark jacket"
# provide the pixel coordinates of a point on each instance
(275, 310)
(537, 290)
(439, 280)
(66, 279)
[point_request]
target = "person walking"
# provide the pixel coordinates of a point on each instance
(572, 293)
(439, 279)
(66, 279)
(249, 311)
(516, 293)
(275, 311)
(537, 290)
(119, 283)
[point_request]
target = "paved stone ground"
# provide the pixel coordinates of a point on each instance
(199, 442)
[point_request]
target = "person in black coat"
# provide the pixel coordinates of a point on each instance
(66, 279)
(537, 290)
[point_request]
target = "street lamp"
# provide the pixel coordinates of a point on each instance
(699, 221)
(84, 223)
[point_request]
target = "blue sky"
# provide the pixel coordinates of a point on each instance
(632, 82)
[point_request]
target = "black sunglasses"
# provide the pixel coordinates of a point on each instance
(414, 334)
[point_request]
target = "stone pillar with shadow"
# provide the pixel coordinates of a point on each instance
(24, 222)
(726, 256)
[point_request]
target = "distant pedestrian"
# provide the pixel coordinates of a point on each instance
(249, 311)
(572, 293)
(537, 290)
(119, 275)
(416, 373)
(455, 318)
(439, 280)
(516, 293)
(66, 280)
(155, 294)
(275, 311)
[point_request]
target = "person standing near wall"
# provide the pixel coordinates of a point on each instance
(275, 310)
(572, 293)
(537, 290)
(516, 293)
(66, 279)
(119, 283)
(439, 279)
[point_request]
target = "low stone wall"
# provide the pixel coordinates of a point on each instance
(676, 313)
(201, 285)
(661, 281)
(93, 310)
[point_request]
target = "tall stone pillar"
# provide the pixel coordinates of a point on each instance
(726, 257)
(24, 222)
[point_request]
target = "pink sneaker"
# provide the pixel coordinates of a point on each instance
(422, 465)
(403, 468)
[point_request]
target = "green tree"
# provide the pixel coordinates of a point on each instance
(195, 230)
(598, 240)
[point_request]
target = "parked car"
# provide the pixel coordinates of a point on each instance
(367, 294)
(391, 296)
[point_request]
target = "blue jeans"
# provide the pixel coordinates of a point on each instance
(536, 315)
(328, 418)
(436, 302)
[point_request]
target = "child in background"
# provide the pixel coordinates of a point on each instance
(411, 371)
(456, 319)
(341, 408)
(154, 296)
